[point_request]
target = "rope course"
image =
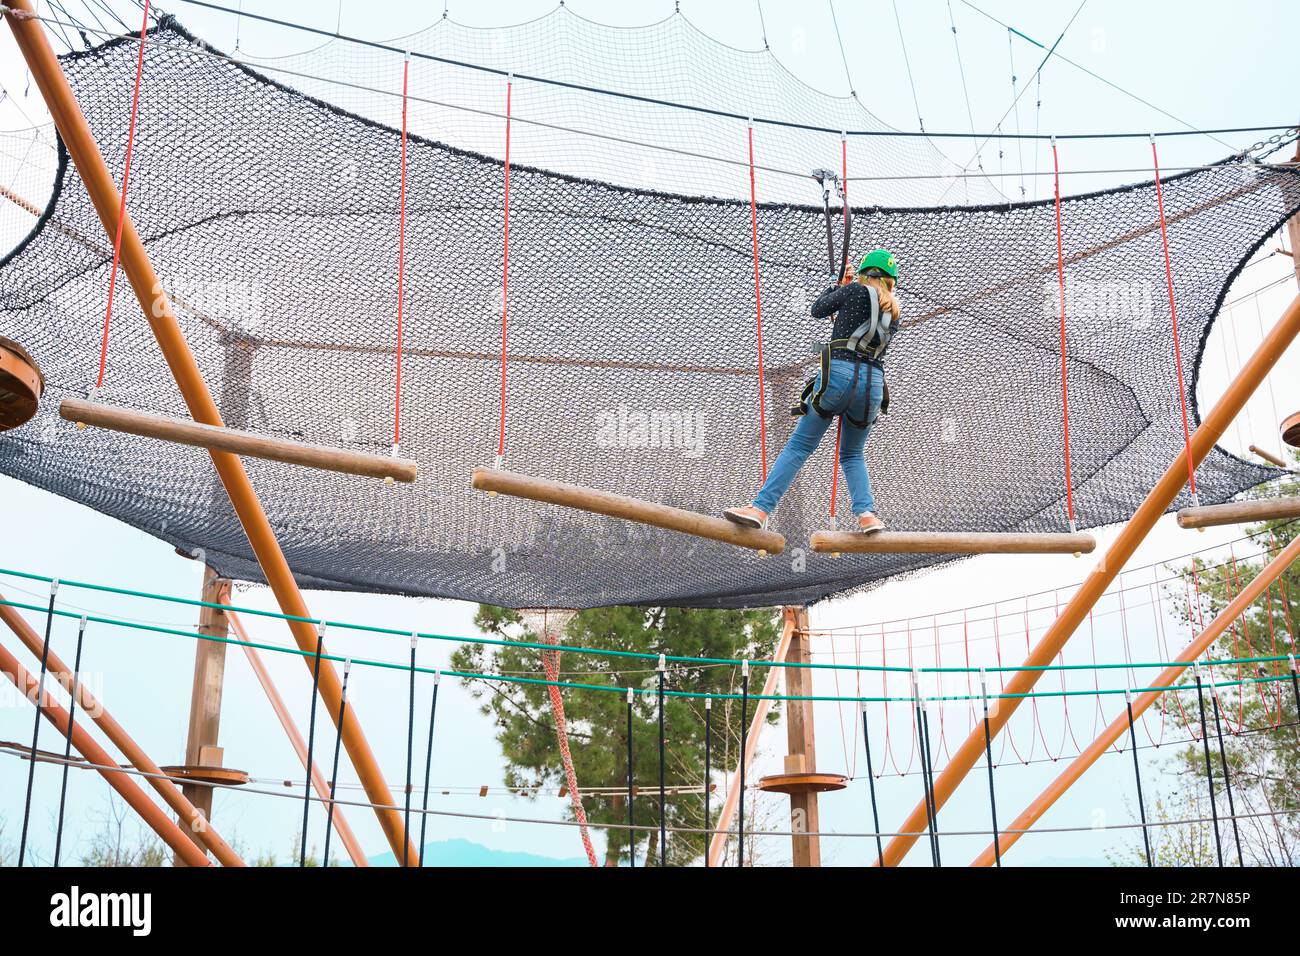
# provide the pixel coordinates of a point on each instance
(621, 387)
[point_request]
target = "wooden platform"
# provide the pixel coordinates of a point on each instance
(220, 776)
(21, 385)
(808, 782)
(1239, 512)
(630, 509)
(1291, 430)
(212, 437)
(959, 542)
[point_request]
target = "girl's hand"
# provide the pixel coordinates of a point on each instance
(848, 276)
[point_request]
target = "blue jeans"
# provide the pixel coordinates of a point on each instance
(841, 393)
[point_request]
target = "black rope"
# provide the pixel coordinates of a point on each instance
(988, 761)
(927, 765)
(36, 724)
(1295, 687)
(663, 823)
(1227, 778)
(334, 772)
(744, 742)
(655, 101)
(67, 744)
(871, 785)
(410, 756)
(708, 774)
(1209, 770)
(631, 790)
(428, 763)
(311, 743)
(1137, 777)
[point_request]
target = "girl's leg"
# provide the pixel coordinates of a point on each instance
(854, 464)
(853, 440)
(807, 434)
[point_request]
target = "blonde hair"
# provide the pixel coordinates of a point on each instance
(887, 301)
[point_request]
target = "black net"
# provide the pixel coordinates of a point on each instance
(273, 219)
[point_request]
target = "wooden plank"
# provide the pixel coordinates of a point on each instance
(1239, 512)
(957, 542)
(219, 438)
(630, 509)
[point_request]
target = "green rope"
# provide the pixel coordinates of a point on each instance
(608, 652)
(622, 688)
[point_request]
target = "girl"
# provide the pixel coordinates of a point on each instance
(851, 384)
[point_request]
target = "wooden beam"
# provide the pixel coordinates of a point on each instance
(801, 756)
(205, 693)
(220, 438)
(955, 542)
(1268, 456)
(631, 509)
(1239, 512)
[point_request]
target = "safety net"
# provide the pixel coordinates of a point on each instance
(632, 356)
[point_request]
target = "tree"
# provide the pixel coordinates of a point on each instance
(1259, 717)
(597, 720)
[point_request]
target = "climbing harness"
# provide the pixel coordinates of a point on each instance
(867, 343)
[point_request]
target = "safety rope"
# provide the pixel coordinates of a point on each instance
(871, 786)
(401, 263)
(662, 856)
(1227, 778)
(1137, 776)
(758, 306)
(551, 662)
(36, 723)
(428, 763)
(121, 208)
(334, 769)
(708, 775)
(73, 686)
(1065, 389)
(311, 743)
(631, 790)
(410, 755)
(1209, 769)
(505, 278)
(1173, 318)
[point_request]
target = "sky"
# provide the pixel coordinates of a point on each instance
(1233, 75)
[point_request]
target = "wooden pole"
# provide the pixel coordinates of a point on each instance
(1239, 512)
(802, 757)
(957, 542)
(1094, 586)
(631, 509)
(157, 308)
(98, 757)
(90, 706)
(233, 440)
(1119, 726)
(761, 709)
(205, 698)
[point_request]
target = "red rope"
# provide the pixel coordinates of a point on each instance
(1173, 318)
(1065, 391)
(121, 209)
(505, 281)
(839, 422)
(401, 263)
(758, 303)
(551, 664)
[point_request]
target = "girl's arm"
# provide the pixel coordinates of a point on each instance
(831, 301)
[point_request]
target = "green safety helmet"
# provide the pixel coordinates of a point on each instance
(881, 259)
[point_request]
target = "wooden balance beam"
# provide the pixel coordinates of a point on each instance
(957, 542)
(631, 509)
(1239, 512)
(239, 442)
